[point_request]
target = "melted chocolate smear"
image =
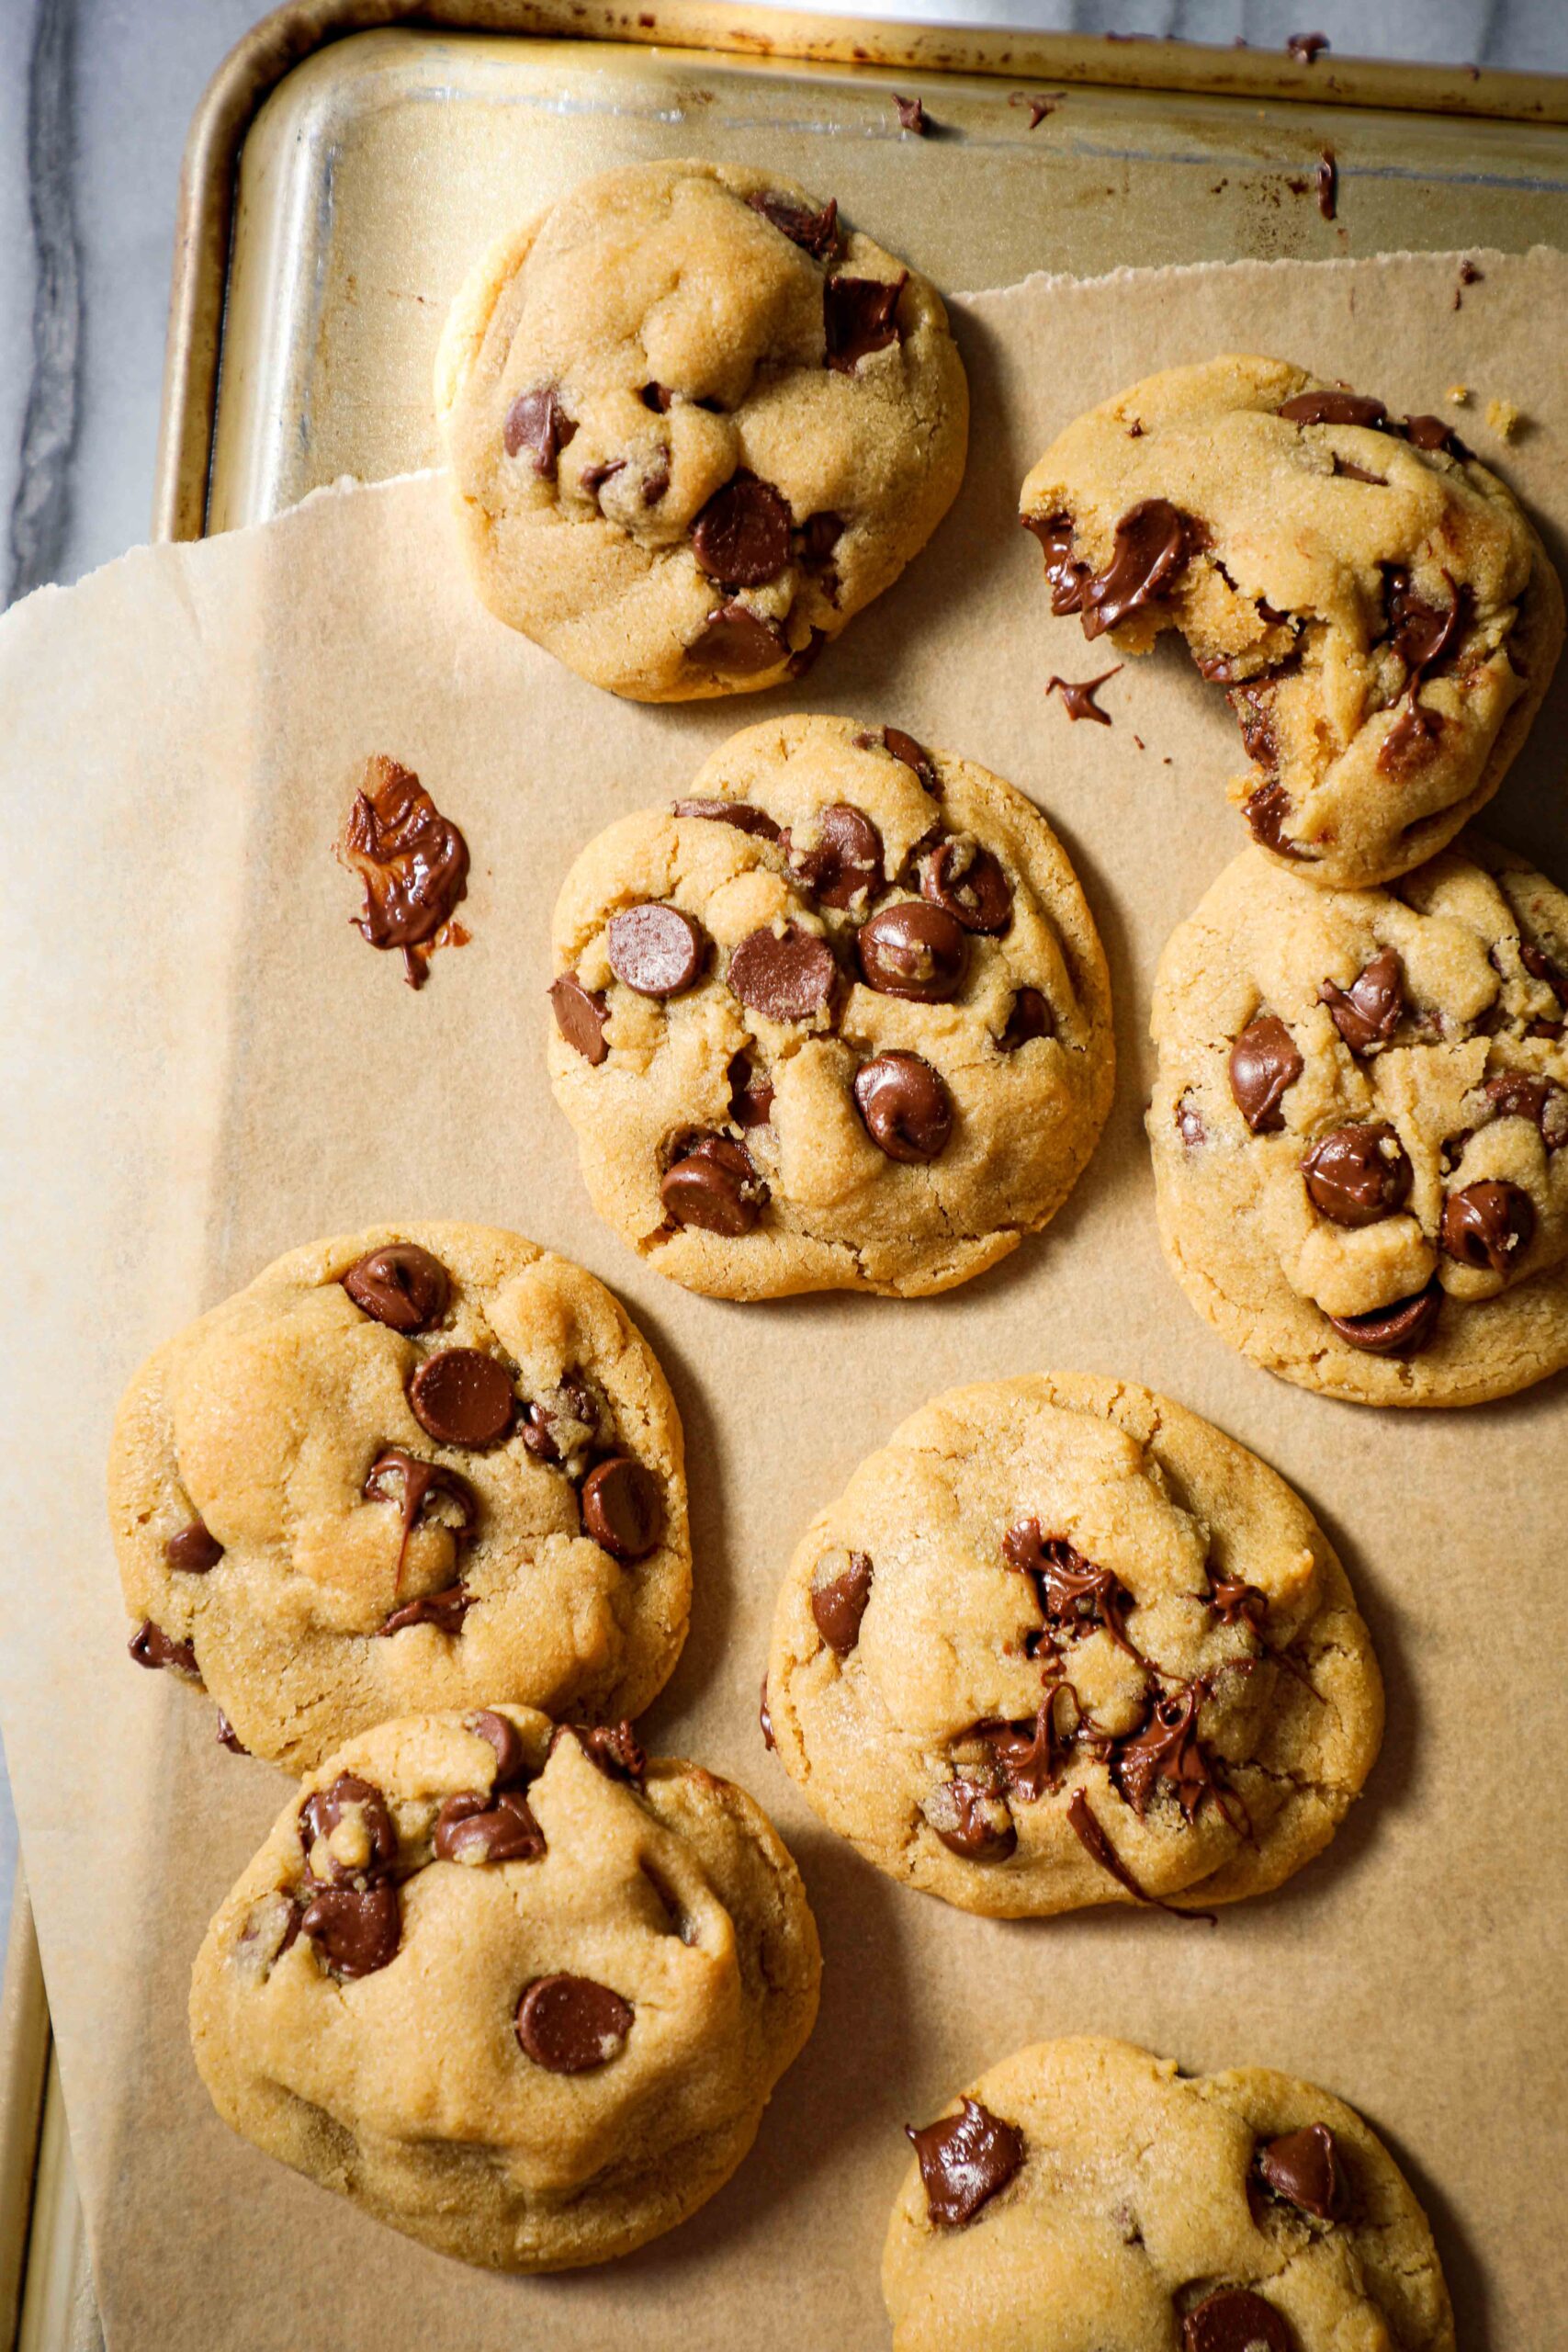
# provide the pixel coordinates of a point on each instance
(1030, 1756)
(1029, 1016)
(1154, 545)
(1265, 811)
(227, 1736)
(1168, 1750)
(845, 862)
(973, 1830)
(537, 422)
(739, 813)
(445, 1611)
(1075, 1596)
(860, 315)
(1079, 699)
(150, 1646)
(612, 1748)
(1367, 1013)
(815, 233)
(1264, 1065)
(403, 1478)
(323, 1809)
(840, 1600)
(1099, 1847)
(964, 2161)
(1488, 1225)
(413, 861)
(1400, 1329)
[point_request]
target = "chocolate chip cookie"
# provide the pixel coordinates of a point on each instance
(1062, 1644)
(1085, 2194)
(426, 1464)
(1379, 613)
(514, 1988)
(695, 423)
(1359, 1126)
(837, 1019)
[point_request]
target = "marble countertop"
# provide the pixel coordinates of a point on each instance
(95, 97)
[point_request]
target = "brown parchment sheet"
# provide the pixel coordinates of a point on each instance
(205, 1064)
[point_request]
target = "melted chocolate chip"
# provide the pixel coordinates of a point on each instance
(1264, 1064)
(1166, 1750)
(860, 315)
(912, 115)
(403, 1477)
(715, 1187)
(499, 1827)
(193, 1550)
(913, 756)
(319, 1814)
(844, 863)
(1367, 1013)
(655, 948)
(1078, 696)
(1400, 1329)
(502, 1738)
(1154, 544)
(907, 1109)
(1304, 2169)
(1539, 966)
(227, 1736)
(150, 1646)
(1235, 2320)
(1235, 1603)
(413, 861)
(1429, 432)
(569, 2024)
(401, 1285)
(580, 1016)
(738, 643)
(1488, 1225)
(1514, 1095)
(1028, 1017)
(971, 1821)
(1422, 635)
(968, 883)
(739, 813)
(1068, 577)
(538, 422)
(356, 1929)
(1265, 811)
(840, 1591)
(965, 2160)
(445, 1611)
(1330, 407)
(742, 536)
(751, 1098)
(657, 396)
(462, 1397)
(787, 977)
(1358, 1174)
(1346, 472)
(1030, 1755)
(819, 535)
(1098, 1847)
(1326, 180)
(1075, 1596)
(764, 1720)
(815, 233)
(623, 1508)
(913, 950)
(611, 1748)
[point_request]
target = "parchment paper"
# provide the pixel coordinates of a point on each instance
(205, 1065)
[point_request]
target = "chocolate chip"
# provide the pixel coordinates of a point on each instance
(623, 1509)
(1306, 48)
(580, 1016)
(1400, 1329)
(1539, 966)
(1515, 1095)
(655, 483)
(1423, 635)
(611, 1748)
(819, 535)
(1326, 180)
(1358, 1174)
(751, 1098)
(445, 1611)
(1329, 407)
(1343, 467)
(964, 2159)
(802, 659)
(655, 948)
(1154, 544)
(150, 1646)
(1265, 811)
(911, 115)
(1078, 695)
(1167, 1751)
(739, 813)
(784, 979)
(322, 1812)
(505, 1741)
(193, 1550)
(1367, 1013)
(657, 396)
(1028, 1017)
(860, 315)
(738, 642)
(569, 2024)
(907, 1109)
(971, 1821)
(497, 1828)
(714, 1187)
(968, 883)
(1190, 1123)
(357, 1930)
(536, 421)
(913, 950)
(845, 861)
(742, 535)
(840, 1589)
(1029, 1755)
(815, 233)
(1264, 1064)
(1303, 2168)
(764, 1720)
(227, 1736)
(913, 755)
(1430, 433)
(1068, 579)
(1488, 1225)
(396, 1475)
(1235, 1603)
(1235, 2320)
(401, 1285)
(462, 1397)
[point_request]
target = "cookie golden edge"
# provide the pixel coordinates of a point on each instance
(141, 1471)
(741, 1272)
(1395, 2246)
(785, 1949)
(462, 339)
(925, 1864)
